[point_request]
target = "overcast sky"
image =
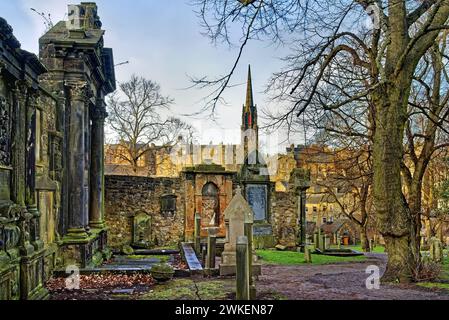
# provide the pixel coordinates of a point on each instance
(163, 42)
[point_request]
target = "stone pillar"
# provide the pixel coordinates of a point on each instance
(300, 179)
(30, 198)
(197, 234)
(18, 144)
(302, 218)
(211, 247)
(76, 161)
(307, 255)
(242, 269)
(96, 199)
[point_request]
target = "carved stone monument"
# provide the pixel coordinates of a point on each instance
(236, 214)
(300, 178)
(142, 230)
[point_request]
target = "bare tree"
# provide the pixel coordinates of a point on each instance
(349, 187)
(379, 65)
(135, 116)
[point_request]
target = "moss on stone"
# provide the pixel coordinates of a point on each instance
(178, 289)
(188, 289)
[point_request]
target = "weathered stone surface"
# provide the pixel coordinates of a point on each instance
(127, 197)
(236, 214)
(285, 218)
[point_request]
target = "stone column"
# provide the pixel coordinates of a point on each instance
(248, 227)
(18, 143)
(211, 247)
(96, 199)
(31, 171)
(76, 155)
(19, 177)
(302, 218)
(197, 234)
(300, 178)
(242, 269)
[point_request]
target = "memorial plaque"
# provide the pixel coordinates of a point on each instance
(256, 196)
(142, 230)
(262, 230)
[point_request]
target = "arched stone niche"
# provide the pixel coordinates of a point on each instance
(142, 236)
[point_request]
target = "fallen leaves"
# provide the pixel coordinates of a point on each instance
(104, 281)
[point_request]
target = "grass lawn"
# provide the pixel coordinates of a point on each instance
(293, 258)
(162, 258)
(434, 285)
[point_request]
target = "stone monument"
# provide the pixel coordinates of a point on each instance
(236, 214)
(300, 178)
(142, 230)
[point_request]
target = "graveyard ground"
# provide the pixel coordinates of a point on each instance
(332, 279)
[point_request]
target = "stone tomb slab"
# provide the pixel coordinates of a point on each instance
(191, 258)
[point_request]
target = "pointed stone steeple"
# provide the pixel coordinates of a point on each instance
(249, 112)
(249, 91)
(250, 129)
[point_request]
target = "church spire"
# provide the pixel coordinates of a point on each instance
(249, 113)
(249, 91)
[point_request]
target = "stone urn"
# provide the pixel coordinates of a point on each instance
(162, 272)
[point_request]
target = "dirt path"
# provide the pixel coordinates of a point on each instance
(337, 282)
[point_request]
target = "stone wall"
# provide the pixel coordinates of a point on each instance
(128, 196)
(285, 218)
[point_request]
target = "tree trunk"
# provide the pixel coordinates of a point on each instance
(364, 239)
(393, 215)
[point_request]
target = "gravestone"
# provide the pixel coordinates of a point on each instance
(372, 245)
(236, 214)
(257, 199)
(436, 250)
(142, 230)
(307, 255)
(322, 242)
(197, 234)
(211, 247)
(327, 242)
(316, 239)
(242, 269)
(300, 179)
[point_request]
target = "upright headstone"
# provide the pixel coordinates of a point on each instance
(307, 255)
(316, 240)
(301, 181)
(211, 247)
(322, 242)
(242, 269)
(327, 242)
(371, 245)
(248, 228)
(197, 234)
(237, 212)
(436, 250)
(141, 230)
